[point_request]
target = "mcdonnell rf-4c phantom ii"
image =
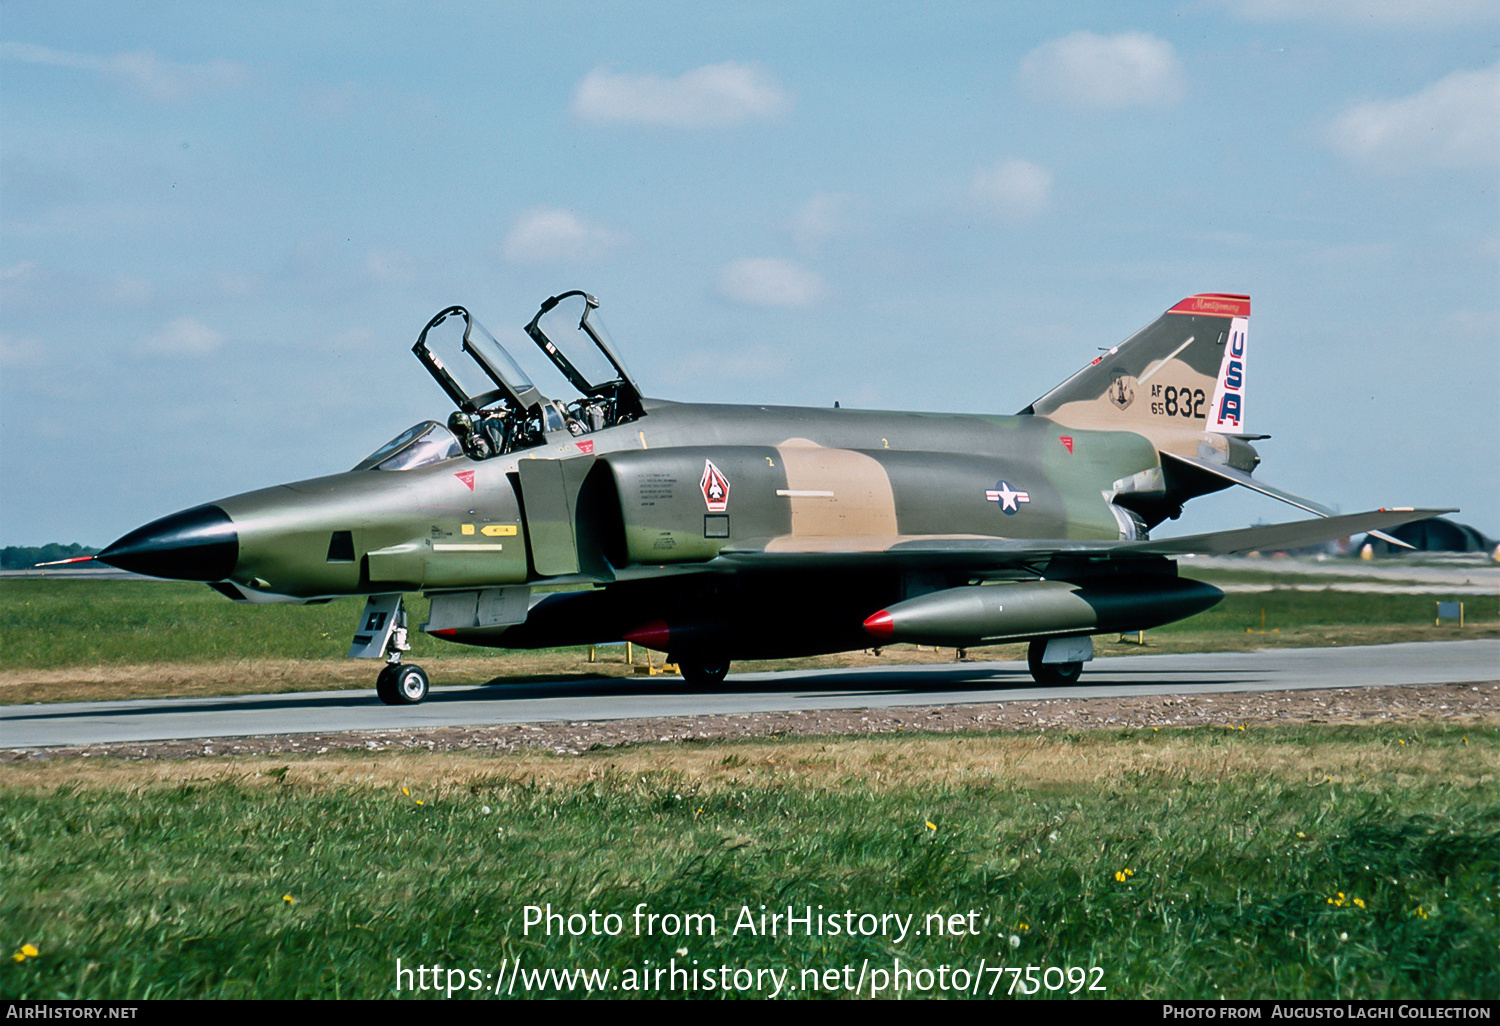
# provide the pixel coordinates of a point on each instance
(714, 533)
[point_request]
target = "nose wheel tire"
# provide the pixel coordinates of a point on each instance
(703, 673)
(401, 684)
(1050, 673)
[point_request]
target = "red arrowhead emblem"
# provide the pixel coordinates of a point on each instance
(467, 477)
(1067, 441)
(715, 488)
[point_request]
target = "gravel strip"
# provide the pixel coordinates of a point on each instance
(1436, 703)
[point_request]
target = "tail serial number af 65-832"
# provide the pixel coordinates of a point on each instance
(717, 532)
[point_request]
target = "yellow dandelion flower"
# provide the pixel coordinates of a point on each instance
(288, 899)
(931, 825)
(18, 957)
(29, 950)
(1360, 902)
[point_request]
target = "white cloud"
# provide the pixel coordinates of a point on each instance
(20, 352)
(353, 340)
(1097, 72)
(703, 369)
(183, 337)
(389, 267)
(770, 281)
(329, 102)
(131, 291)
(821, 218)
(1014, 189)
(546, 235)
(30, 286)
(1455, 122)
(142, 69)
(718, 94)
(1413, 13)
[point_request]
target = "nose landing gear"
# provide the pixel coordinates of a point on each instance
(382, 632)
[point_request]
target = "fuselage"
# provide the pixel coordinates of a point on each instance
(789, 473)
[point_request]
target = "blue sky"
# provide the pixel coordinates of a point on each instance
(222, 225)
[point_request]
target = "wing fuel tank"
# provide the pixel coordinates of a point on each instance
(978, 614)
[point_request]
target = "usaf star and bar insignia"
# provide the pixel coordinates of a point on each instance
(1008, 498)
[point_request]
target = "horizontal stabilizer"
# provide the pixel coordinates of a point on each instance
(1298, 534)
(1243, 479)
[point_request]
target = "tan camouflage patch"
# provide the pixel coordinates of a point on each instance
(836, 492)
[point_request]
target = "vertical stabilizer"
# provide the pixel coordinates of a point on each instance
(1180, 381)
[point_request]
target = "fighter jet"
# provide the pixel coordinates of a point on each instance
(716, 533)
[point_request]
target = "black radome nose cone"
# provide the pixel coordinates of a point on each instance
(197, 544)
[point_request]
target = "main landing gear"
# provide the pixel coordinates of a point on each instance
(1058, 660)
(702, 671)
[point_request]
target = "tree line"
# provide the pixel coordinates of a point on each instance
(24, 557)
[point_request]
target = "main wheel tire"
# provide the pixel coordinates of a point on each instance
(402, 685)
(1050, 673)
(703, 673)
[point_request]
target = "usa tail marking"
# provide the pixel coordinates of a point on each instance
(1227, 412)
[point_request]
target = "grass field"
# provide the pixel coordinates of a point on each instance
(1313, 862)
(80, 640)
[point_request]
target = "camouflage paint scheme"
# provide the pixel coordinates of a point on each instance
(731, 532)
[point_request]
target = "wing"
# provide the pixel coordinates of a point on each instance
(975, 552)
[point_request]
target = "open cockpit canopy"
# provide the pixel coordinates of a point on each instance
(569, 331)
(499, 409)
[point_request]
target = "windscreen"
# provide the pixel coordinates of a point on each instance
(417, 446)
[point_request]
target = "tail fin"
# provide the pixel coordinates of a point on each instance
(1180, 376)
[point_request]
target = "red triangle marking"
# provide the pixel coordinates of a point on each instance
(467, 477)
(1067, 441)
